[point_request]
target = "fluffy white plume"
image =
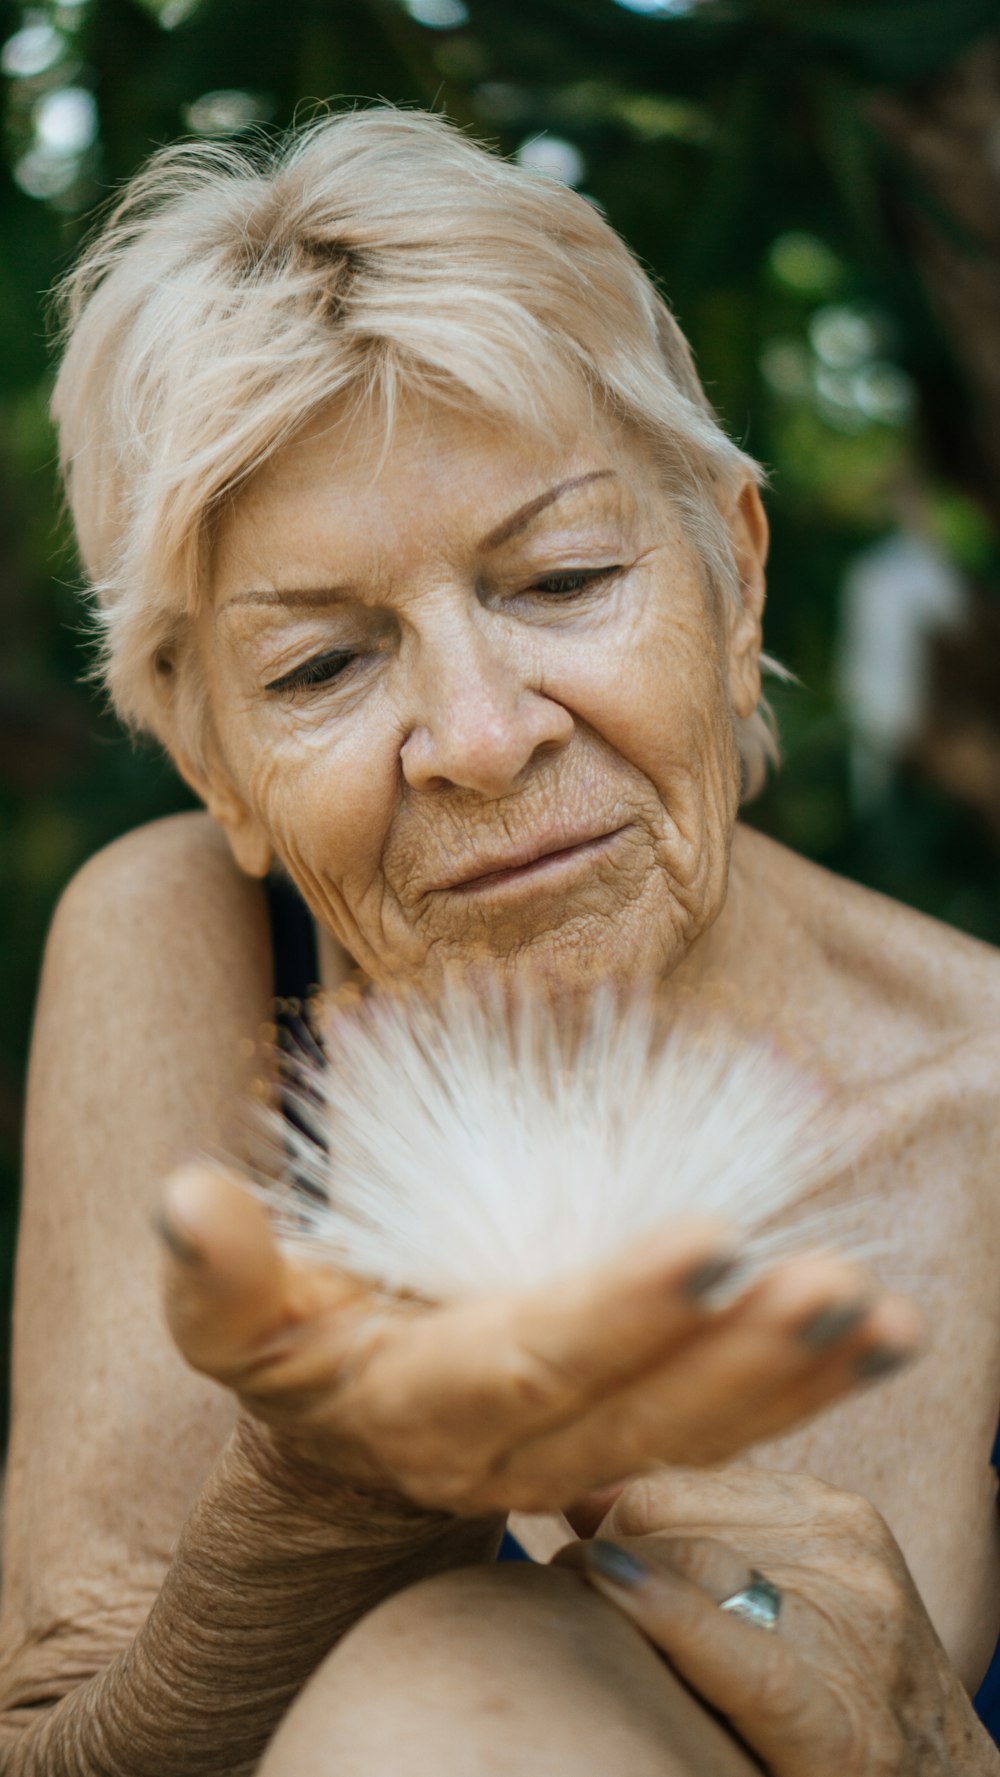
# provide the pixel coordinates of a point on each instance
(489, 1142)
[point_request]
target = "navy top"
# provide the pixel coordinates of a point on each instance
(295, 957)
(296, 975)
(986, 1701)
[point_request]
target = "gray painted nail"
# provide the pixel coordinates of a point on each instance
(831, 1325)
(174, 1240)
(615, 1564)
(706, 1275)
(881, 1360)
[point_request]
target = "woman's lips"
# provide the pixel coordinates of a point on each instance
(530, 861)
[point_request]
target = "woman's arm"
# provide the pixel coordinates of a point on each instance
(157, 972)
(264, 1581)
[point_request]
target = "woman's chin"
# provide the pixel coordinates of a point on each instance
(572, 955)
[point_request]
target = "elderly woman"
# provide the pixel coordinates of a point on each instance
(416, 544)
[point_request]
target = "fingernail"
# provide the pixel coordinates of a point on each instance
(174, 1241)
(881, 1360)
(831, 1325)
(707, 1275)
(615, 1564)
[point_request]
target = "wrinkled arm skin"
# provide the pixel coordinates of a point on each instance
(262, 1585)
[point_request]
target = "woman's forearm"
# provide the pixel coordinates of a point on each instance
(261, 1587)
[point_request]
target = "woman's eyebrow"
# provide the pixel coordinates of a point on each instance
(273, 595)
(519, 520)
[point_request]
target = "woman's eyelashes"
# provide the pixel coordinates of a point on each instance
(573, 580)
(322, 669)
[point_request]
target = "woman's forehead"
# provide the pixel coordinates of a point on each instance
(440, 474)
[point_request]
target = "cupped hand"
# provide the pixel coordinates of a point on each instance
(520, 1401)
(851, 1679)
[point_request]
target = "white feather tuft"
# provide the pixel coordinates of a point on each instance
(487, 1142)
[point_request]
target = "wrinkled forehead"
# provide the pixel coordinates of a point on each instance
(433, 475)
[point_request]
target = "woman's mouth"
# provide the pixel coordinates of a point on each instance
(534, 862)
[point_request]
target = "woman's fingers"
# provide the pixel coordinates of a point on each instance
(756, 1677)
(679, 1502)
(772, 1360)
(597, 1330)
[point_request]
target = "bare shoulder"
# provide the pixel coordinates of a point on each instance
(876, 965)
(162, 914)
(158, 968)
(179, 869)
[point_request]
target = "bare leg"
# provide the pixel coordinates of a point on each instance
(494, 1671)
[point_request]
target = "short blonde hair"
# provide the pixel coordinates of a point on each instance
(233, 292)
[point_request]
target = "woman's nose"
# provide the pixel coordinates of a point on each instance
(478, 722)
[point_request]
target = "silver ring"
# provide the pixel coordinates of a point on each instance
(759, 1602)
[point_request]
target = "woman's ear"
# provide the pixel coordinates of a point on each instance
(207, 776)
(748, 536)
(248, 842)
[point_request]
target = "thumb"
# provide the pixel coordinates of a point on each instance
(226, 1283)
(752, 1676)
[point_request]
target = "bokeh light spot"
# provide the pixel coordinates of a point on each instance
(844, 337)
(438, 15)
(171, 13)
(42, 174)
(805, 264)
(32, 50)
(885, 393)
(66, 120)
(226, 112)
(554, 156)
(836, 399)
(664, 9)
(784, 364)
(652, 116)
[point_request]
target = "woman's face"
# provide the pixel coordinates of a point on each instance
(478, 697)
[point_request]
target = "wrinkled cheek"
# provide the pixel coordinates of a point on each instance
(698, 760)
(699, 785)
(328, 843)
(287, 797)
(275, 793)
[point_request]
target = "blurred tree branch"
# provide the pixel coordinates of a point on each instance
(948, 130)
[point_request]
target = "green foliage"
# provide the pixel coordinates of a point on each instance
(731, 141)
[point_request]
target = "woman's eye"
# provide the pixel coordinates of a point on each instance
(565, 585)
(319, 671)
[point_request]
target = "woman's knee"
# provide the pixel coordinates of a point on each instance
(513, 1669)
